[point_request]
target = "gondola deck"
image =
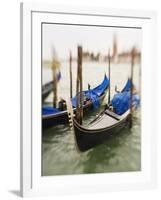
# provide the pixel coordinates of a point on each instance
(106, 120)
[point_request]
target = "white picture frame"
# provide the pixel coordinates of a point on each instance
(32, 183)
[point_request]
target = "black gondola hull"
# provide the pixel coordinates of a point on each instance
(54, 120)
(85, 140)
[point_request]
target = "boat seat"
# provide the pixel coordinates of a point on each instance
(112, 114)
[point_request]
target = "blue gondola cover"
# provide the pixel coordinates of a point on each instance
(121, 102)
(49, 110)
(127, 86)
(94, 93)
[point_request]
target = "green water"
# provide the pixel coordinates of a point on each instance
(121, 153)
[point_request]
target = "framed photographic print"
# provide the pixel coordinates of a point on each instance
(87, 108)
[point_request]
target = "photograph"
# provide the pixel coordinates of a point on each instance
(91, 99)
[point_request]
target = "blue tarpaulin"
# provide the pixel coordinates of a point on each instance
(94, 93)
(127, 86)
(121, 101)
(86, 96)
(49, 110)
(101, 88)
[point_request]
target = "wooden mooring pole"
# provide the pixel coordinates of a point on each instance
(109, 76)
(131, 88)
(55, 98)
(70, 73)
(77, 94)
(81, 82)
(79, 88)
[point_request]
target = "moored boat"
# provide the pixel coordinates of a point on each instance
(115, 116)
(92, 99)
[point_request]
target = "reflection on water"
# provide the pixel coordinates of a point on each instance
(119, 154)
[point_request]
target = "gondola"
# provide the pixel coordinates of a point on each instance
(53, 116)
(46, 90)
(106, 124)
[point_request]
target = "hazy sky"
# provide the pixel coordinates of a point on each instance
(95, 39)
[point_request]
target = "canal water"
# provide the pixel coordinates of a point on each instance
(121, 153)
